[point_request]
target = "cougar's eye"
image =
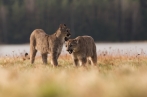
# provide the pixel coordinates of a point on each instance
(67, 30)
(65, 45)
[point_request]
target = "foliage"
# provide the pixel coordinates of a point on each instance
(105, 20)
(114, 76)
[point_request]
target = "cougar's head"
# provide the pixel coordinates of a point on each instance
(72, 45)
(65, 31)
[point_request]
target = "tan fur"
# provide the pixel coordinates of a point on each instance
(82, 49)
(48, 44)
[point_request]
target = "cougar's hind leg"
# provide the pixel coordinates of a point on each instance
(32, 54)
(89, 61)
(44, 58)
(94, 60)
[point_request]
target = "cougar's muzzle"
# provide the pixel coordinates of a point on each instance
(70, 51)
(67, 37)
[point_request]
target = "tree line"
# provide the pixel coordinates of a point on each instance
(104, 20)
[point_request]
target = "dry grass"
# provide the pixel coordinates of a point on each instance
(114, 76)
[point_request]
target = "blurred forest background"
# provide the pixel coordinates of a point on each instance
(104, 20)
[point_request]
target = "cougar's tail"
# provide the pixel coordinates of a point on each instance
(32, 47)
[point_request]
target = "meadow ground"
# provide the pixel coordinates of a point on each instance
(114, 76)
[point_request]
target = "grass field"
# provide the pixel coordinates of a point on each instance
(114, 76)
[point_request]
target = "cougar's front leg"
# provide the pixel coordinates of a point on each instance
(76, 62)
(54, 58)
(44, 58)
(83, 61)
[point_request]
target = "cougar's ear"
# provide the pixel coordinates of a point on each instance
(76, 41)
(62, 26)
